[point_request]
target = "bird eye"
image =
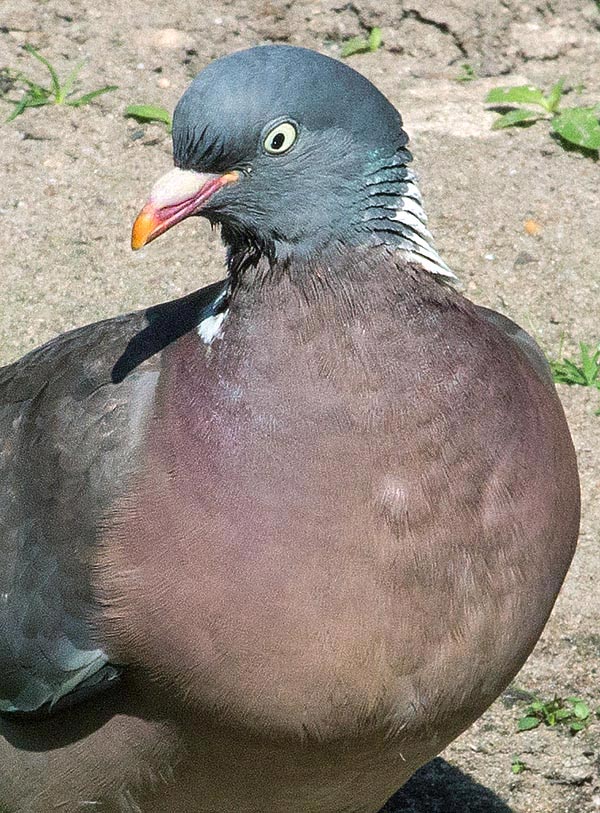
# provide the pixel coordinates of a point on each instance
(280, 138)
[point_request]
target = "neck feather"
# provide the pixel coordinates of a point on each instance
(386, 209)
(355, 277)
(393, 213)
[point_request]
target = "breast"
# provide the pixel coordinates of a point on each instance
(351, 536)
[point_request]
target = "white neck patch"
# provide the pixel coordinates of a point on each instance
(211, 328)
(416, 241)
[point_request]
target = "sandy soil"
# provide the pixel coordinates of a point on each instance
(72, 180)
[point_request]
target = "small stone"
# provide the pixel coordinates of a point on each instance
(171, 38)
(524, 258)
(532, 227)
(54, 162)
(163, 82)
(19, 36)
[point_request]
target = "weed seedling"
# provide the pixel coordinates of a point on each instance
(146, 113)
(362, 45)
(576, 125)
(35, 95)
(586, 373)
(467, 73)
(570, 712)
(517, 765)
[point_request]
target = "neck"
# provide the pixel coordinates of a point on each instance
(385, 209)
(338, 286)
(347, 280)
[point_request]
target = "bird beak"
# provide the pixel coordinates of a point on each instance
(177, 195)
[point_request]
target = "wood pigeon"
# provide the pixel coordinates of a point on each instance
(270, 547)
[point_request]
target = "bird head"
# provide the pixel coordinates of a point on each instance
(289, 151)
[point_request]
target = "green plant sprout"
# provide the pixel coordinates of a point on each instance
(362, 45)
(36, 95)
(149, 113)
(586, 373)
(577, 125)
(467, 73)
(517, 765)
(571, 712)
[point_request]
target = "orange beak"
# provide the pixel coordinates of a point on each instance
(177, 195)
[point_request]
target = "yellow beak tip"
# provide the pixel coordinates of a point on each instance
(144, 226)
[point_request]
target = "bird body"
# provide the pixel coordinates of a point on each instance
(302, 526)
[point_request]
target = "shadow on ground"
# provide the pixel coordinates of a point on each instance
(440, 788)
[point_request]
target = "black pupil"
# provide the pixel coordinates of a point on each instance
(277, 141)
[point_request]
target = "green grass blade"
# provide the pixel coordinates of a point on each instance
(54, 76)
(522, 94)
(565, 372)
(88, 97)
(579, 126)
(148, 113)
(18, 109)
(363, 45)
(355, 45)
(37, 102)
(34, 87)
(67, 88)
(590, 364)
(375, 39)
(516, 117)
(555, 95)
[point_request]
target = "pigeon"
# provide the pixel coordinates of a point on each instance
(270, 547)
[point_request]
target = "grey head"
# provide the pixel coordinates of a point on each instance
(321, 156)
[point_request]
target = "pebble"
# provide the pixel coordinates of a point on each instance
(524, 258)
(19, 36)
(162, 38)
(532, 227)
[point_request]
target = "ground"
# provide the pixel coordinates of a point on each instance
(73, 179)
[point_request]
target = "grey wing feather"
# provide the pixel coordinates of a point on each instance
(72, 420)
(63, 461)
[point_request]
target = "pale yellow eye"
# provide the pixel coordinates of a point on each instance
(280, 138)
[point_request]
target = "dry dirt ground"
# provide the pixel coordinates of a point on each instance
(72, 180)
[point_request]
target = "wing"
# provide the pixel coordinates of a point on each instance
(526, 344)
(73, 417)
